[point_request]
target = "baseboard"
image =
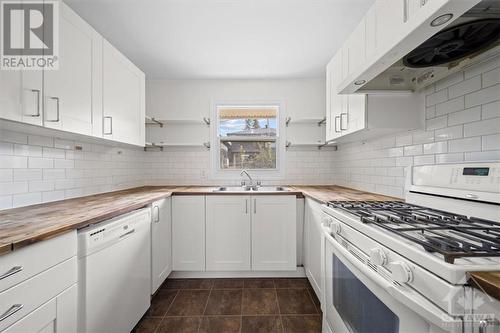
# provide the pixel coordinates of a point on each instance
(238, 274)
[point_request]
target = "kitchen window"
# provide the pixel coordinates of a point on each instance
(247, 138)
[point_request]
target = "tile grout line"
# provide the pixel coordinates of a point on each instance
(165, 314)
(279, 309)
(206, 305)
(312, 300)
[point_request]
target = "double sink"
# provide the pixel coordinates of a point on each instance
(251, 189)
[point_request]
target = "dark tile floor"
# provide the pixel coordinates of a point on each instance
(233, 305)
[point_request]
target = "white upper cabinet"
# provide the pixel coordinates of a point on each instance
(93, 78)
(228, 233)
(123, 98)
(68, 91)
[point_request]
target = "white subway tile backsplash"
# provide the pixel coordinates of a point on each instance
(483, 96)
(423, 137)
(436, 147)
(40, 163)
(482, 67)
(413, 150)
(404, 140)
(491, 110)
(450, 106)
(450, 80)
(27, 174)
(27, 150)
(26, 199)
(491, 77)
(6, 148)
(437, 97)
(449, 133)
(423, 160)
(54, 173)
(7, 188)
(53, 153)
(491, 142)
(6, 175)
(464, 145)
(430, 112)
(52, 196)
(436, 123)
(63, 144)
(449, 158)
(13, 162)
(465, 87)
(484, 127)
(41, 185)
(483, 156)
(465, 116)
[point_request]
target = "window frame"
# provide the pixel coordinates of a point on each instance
(215, 142)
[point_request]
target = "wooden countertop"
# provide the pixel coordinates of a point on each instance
(26, 225)
(339, 193)
(489, 282)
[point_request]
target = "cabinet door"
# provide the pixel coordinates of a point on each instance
(390, 21)
(188, 233)
(161, 242)
(56, 315)
(353, 116)
(356, 48)
(336, 100)
(123, 98)
(314, 234)
(228, 233)
(274, 233)
(371, 33)
(68, 90)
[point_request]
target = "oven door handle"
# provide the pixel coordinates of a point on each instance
(421, 306)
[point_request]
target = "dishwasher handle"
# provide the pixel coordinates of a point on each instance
(127, 233)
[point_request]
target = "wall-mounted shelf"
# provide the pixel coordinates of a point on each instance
(160, 145)
(316, 121)
(164, 122)
(319, 145)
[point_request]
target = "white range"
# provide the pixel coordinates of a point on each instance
(403, 267)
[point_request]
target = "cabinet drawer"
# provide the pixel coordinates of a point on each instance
(22, 264)
(30, 294)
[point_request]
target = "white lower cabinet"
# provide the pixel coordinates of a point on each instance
(188, 233)
(57, 315)
(274, 224)
(228, 233)
(161, 242)
(313, 245)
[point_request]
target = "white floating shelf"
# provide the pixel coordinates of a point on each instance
(154, 121)
(316, 121)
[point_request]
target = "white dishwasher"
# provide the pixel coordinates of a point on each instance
(114, 273)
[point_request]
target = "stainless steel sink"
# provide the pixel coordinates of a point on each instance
(250, 189)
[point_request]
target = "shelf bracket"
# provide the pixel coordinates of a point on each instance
(321, 122)
(206, 121)
(153, 146)
(327, 145)
(154, 121)
(206, 145)
(288, 144)
(287, 121)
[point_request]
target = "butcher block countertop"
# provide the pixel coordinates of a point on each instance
(339, 193)
(489, 282)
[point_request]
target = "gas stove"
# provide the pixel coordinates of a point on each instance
(421, 251)
(436, 231)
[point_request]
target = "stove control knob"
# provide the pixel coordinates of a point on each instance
(326, 221)
(378, 256)
(401, 272)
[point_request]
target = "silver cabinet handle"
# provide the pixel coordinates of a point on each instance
(157, 214)
(342, 119)
(336, 117)
(12, 271)
(110, 125)
(255, 206)
(405, 11)
(57, 110)
(127, 233)
(246, 206)
(37, 114)
(483, 325)
(13, 309)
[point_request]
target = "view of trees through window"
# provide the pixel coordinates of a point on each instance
(248, 137)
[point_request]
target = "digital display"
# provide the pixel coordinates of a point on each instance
(476, 171)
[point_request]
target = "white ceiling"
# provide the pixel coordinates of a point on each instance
(230, 39)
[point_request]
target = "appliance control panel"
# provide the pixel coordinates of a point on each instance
(481, 177)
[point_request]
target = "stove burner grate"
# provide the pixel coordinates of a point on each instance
(451, 235)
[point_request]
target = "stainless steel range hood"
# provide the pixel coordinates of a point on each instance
(429, 60)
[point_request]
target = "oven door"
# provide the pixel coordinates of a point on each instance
(358, 300)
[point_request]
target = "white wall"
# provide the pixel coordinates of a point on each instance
(462, 124)
(193, 99)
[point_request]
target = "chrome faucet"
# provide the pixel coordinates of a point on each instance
(244, 172)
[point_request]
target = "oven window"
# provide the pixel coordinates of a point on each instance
(359, 308)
